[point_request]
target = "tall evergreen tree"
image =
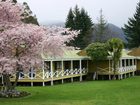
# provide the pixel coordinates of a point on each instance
(79, 20)
(132, 29)
(70, 19)
(101, 29)
(28, 15)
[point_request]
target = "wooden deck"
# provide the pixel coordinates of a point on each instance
(123, 70)
(49, 76)
(69, 74)
(45, 80)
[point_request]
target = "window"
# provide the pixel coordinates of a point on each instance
(58, 65)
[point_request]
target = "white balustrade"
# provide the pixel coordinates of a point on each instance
(127, 68)
(49, 74)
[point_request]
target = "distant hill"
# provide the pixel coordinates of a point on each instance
(113, 30)
(118, 32)
(61, 24)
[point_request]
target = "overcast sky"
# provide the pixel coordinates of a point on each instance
(115, 11)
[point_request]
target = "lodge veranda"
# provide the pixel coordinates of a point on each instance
(72, 65)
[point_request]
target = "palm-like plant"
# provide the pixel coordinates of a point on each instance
(115, 47)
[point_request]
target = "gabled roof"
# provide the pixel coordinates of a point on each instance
(80, 54)
(126, 55)
(135, 52)
(67, 55)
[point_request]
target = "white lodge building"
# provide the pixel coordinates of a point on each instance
(75, 65)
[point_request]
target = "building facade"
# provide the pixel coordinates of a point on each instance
(76, 65)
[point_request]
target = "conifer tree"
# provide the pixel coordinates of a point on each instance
(79, 20)
(100, 30)
(28, 15)
(14, 1)
(70, 19)
(132, 29)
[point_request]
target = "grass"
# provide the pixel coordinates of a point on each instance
(119, 92)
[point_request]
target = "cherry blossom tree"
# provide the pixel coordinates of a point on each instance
(22, 45)
(10, 14)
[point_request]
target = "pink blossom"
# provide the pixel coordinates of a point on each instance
(10, 14)
(24, 44)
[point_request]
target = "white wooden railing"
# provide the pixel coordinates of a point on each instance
(58, 73)
(64, 73)
(48, 74)
(127, 68)
(119, 70)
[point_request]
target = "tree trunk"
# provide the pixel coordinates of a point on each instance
(114, 75)
(96, 63)
(114, 72)
(16, 79)
(19, 68)
(7, 83)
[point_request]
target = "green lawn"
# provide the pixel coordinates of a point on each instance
(119, 92)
